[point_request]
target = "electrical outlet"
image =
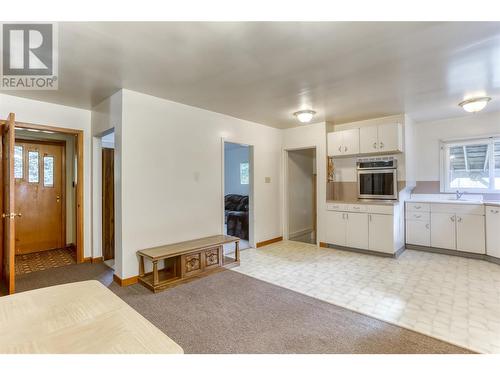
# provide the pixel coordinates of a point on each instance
(267, 180)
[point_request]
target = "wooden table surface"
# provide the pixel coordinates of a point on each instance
(83, 317)
(161, 252)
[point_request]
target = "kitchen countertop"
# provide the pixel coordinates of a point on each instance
(453, 201)
(364, 201)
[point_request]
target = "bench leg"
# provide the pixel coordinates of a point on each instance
(237, 251)
(141, 266)
(155, 273)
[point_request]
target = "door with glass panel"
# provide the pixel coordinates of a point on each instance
(39, 190)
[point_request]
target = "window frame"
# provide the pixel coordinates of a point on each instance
(444, 177)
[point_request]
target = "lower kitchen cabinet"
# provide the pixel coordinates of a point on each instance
(418, 233)
(470, 233)
(443, 234)
(449, 226)
(336, 228)
(357, 230)
(381, 233)
(493, 231)
(363, 227)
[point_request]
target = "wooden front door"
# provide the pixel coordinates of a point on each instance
(8, 205)
(108, 203)
(39, 187)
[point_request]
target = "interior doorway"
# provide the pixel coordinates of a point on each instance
(42, 199)
(108, 199)
(301, 187)
(238, 193)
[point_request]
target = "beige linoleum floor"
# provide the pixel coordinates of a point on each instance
(451, 298)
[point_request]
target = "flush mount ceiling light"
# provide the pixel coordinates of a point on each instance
(475, 104)
(305, 115)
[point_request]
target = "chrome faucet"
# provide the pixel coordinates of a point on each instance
(459, 194)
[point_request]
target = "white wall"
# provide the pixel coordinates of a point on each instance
(307, 136)
(428, 135)
(300, 185)
(172, 182)
(234, 155)
(43, 113)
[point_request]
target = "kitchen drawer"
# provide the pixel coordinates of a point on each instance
(356, 208)
(335, 207)
(382, 209)
(417, 206)
(418, 216)
(471, 209)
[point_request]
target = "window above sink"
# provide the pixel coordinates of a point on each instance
(471, 165)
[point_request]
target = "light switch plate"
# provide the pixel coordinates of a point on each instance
(267, 180)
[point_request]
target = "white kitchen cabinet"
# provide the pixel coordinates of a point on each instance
(381, 138)
(344, 142)
(351, 141)
(335, 228)
(368, 139)
(493, 231)
(357, 230)
(418, 232)
(381, 233)
(443, 231)
(470, 233)
(390, 137)
(335, 143)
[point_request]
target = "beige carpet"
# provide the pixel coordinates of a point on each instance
(232, 313)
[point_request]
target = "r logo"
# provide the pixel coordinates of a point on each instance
(27, 50)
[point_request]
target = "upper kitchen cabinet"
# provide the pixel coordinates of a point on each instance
(381, 138)
(344, 142)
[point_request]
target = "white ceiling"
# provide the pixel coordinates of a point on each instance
(264, 72)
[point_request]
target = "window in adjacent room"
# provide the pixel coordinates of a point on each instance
(244, 174)
(472, 165)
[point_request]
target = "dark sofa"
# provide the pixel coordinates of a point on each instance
(236, 215)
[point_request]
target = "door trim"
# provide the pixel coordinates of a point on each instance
(79, 152)
(61, 143)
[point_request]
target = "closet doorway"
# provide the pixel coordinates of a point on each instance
(301, 187)
(108, 199)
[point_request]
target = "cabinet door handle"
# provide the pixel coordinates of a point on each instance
(418, 207)
(381, 144)
(452, 218)
(374, 144)
(345, 148)
(427, 226)
(347, 216)
(370, 217)
(340, 148)
(418, 216)
(459, 219)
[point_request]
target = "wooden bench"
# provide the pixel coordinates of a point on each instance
(185, 260)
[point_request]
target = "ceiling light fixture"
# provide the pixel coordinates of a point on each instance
(475, 104)
(305, 115)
